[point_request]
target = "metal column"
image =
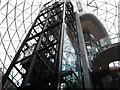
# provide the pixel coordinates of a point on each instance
(61, 49)
(82, 51)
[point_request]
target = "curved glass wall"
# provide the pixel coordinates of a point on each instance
(101, 45)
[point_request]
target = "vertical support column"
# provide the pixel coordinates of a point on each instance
(83, 52)
(119, 21)
(61, 48)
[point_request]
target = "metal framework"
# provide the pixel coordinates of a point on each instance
(38, 62)
(18, 16)
(57, 51)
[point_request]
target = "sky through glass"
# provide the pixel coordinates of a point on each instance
(17, 17)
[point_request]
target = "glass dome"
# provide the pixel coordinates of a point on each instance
(17, 17)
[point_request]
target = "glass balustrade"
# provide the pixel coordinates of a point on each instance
(100, 45)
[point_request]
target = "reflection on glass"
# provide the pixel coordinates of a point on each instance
(69, 57)
(98, 46)
(70, 62)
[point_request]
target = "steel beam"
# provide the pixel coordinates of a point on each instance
(84, 59)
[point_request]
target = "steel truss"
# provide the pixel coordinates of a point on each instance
(35, 64)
